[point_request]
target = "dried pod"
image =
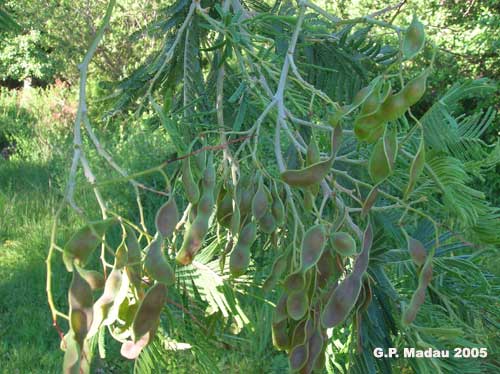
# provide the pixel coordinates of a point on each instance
(73, 362)
(312, 247)
(413, 39)
(148, 314)
(416, 168)
(156, 264)
(84, 242)
(308, 176)
(298, 357)
(343, 243)
(190, 186)
(167, 217)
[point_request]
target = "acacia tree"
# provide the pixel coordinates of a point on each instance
(306, 204)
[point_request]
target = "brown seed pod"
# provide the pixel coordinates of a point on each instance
(343, 243)
(315, 348)
(281, 340)
(393, 107)
(277, 208)
(415, 89)
(84, 242)
(279, 266)
(167, 217)
(156, 264)
(280, 310)
(80, 307)
(193, 239)
(312, 247)
(417, 250)
(267, 223)
(240, 256)
(224, 208)
(297, 304)
(295, 281)
(73, 363)
(418, 297)
(93, 278)
(413, 39)
(308, 176)
(133, 268)
(416, 168)
(369, 201)
(298, 357)
(148, 314)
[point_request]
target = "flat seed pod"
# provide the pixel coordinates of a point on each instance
(417, 250)
(167, 217)
(315, 349)
(80, 303)
(72, 363)
(341, 302)
(84, 242)
(156, 264)
(278, 209)
(240, 256)
(394, 107)
(418, 297)
(267, 223)
(415, 89)
(133, 268)
(378, 165)
(193, 239)
(121, 256)
(148, 314)
(312, 153)
(312, 247)
(131, 349)
(343, 243)
(308, 176)
(248, 234)
(297, 304)
(371, 103)
(295, 281)
(416, 168)
(279, 266)
(190, 186)
(298, 357)
(260, 201)
(281, 340)
(208, 179)
(369, 201)
(224, 208)
(413, 39)
(93, 278)
(280, 310)
(327, 268)
(391, 146)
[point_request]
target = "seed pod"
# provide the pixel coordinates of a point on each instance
(298, 357)
(308, 200)
(148, 314)
(418, 297)
(84, 242)
(315, 348)
(415, 89)
(80, 304)
(312, 153)
(133, 268)
(156, 264)
(416, 168)
(393, 107)
(369, 128)
(417, 250)
(378, 165)
(372, 102)
(190, 186)
(312, 247)
(72, 363)
(121, 256)
(193, 239)
(131, 349)
(224, 208)
(280, 310)
(208, 180)
(295, 281)
(327, 268)
(361, 95)
(260, 201)
(93, 278)
(343, 243)
(281, 340)
(277, 208)
(308, 176)
(414, 39)
(244, 194)
(279, 266)
(267, 223)
(391, 146)
(240, 256)
(235, 218)
(297, 304)
(369, 201)
(167, 217)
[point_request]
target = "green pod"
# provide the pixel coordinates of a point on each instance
(148, 313)
(190, 186)
(312, 246)
(156, 264)
(370, 134)
(208, 179)
(281, 340)
(235, 219)
(308, 176)
(379, 166)
(361, 95)
(312, 153)
(224, 208)
(298, 357)
(133, 268)
(121, 256)
(244, 194)
(84, 242)
(308, 200)
(297, 304)
(93, 278)
(193, 239)
(371, 103)
(413, 39)
(416, 168)
(260, 201)
(73, 363)
(267, 223)
(167, 217)
(391, 146)
(415, 89)
(206, 204)
(393, 107)
(240, 256)
(80, 304)
(343, 243)
(369, 201)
